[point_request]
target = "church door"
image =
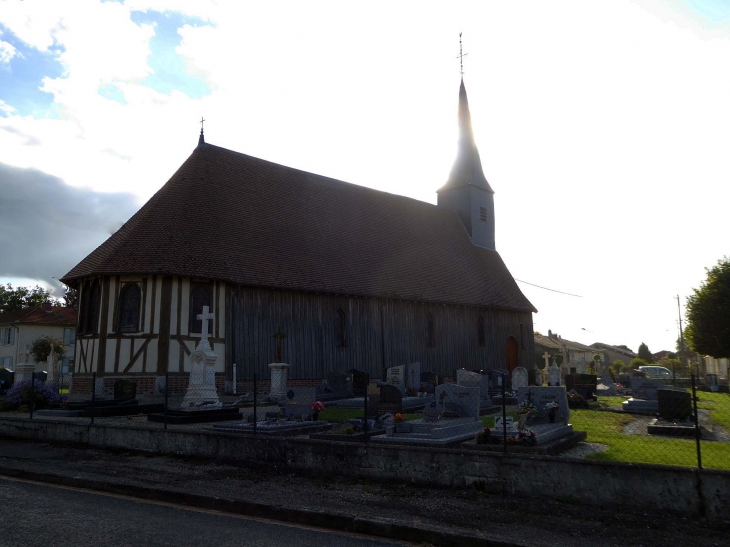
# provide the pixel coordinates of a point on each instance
(510, 350)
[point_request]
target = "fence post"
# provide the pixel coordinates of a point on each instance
(32, 394)
(504, 413)
(167, 391)
(365, 410)
(697, 425)
(93, 395)
(254, 403)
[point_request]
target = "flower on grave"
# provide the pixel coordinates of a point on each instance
(398, 418)
(317, 406)
(483, 437)
(551, 405)
(574, 397)
(526, 436)
(527, 407)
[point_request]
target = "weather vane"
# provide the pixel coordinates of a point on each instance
(461, 56)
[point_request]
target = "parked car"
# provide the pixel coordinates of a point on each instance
(653, 372)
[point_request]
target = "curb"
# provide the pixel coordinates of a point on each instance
(384, 528)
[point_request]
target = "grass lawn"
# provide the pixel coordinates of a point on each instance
(718, 404)
(606, 428)
(611, 401)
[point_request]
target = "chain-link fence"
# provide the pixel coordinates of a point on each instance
(635, 419)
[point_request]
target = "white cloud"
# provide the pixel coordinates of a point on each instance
(7, 52)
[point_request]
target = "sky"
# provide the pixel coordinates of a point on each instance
(603, 127)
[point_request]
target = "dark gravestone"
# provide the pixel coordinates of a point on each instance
(391, 400)
(339, 382)
(124, 390)
(674, 404)
(624, 379)
(41, 376)
(584, 384)
(360, 382)
(7, 377)
(429, 380)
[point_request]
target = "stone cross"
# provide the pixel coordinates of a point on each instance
(204, 317)
(546, 356)
(279, 336)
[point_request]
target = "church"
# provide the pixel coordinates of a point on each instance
(356, 278)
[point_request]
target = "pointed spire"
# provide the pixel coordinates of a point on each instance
(201, 139)
(467, 168)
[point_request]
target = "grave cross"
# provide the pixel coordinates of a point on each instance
(546, 356)
(279, 336)
(461, 56)
(204, 317)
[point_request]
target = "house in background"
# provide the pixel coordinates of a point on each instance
(20, 328)
(615, 353)
(575, 356)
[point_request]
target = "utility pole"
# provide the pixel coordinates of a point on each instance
(681, 339)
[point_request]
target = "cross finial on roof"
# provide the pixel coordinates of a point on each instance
(201, 139)
(461, 56)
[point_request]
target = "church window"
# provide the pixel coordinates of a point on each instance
(480, 331)
(340, 329)
(430, 332)
(483, 214)
(199, 297)
(130, 300)
(89, 308)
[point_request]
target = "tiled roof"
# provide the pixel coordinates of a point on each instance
(228, 216)
(557, 343)
(57, 315)
(623, 351)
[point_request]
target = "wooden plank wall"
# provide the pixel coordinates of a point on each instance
(308, 320)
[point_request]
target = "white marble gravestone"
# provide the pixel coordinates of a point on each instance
(554, 374)
(413, 376)
(540, 396)
(279, 374)
(51, 368)
(201, 393)
(519, 378)
(396, 377)
(467, 399)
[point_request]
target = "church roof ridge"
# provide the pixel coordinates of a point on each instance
(232, 217)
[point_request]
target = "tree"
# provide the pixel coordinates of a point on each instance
(645, 354)
(708, 313)
(70, 297)
(636, 363)
(42, 346)
(22, 297)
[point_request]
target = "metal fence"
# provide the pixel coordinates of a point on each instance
(638, 421)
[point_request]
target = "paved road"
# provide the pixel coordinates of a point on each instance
(33, 514)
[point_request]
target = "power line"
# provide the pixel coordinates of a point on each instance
(545, 288)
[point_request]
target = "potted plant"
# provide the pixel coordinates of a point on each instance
(552, 409)
(317, 407)
(526, 437)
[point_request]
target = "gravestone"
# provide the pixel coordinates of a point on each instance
(499, 425)
(554, 374)
(674, 403)
(519, 378)
(6, 379)
(540, 396)
(360, 382)
(413, 377)
(645, 389)
(391, 400)
(201, 393)
(124, 390)
(646, 393)
(607, 387)
(624, 379)
(396, 377)
(463, 401)
(429, 380)
(475, 379)
(712, 382)
(373, 399)
(584, 384)
(298, 402)
(338, 385)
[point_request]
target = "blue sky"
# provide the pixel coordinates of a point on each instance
(603, 127)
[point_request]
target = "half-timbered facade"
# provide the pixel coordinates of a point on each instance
(357, 278)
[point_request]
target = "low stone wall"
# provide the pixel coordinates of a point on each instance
(623, 485)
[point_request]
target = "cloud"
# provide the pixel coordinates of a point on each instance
(47, 226)
(7, 52)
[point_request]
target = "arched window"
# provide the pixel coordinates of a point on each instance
(130, 300)
(199, 297)
(340, 329)
(430, 332)
(480, 331)
(89, 314)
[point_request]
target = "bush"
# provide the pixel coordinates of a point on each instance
(636, 363)
(20, 393)
(41, 348)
